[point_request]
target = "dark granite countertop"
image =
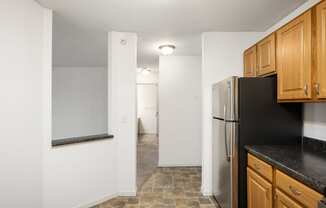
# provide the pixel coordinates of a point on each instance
(322, 203)
(306, 164)
(76, 140)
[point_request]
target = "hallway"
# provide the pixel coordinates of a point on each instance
(167, 188)
(161, 187)
(147, 157)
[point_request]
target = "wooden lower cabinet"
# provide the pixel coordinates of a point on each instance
(259, 191)
(282, 191)
(296, 190)
(283, 201)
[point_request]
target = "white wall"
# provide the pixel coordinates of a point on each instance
(180, 111)
(315, 120)
(21, 29)
(33, 174)
(122, 65)
(222, 54)
(79, 175)
(289, 17)
(79, 101)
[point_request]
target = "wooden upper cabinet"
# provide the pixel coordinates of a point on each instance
(266, 56)
(320, 74)
(294, 59)
(250, 64)
(283, 201)
(259, 191)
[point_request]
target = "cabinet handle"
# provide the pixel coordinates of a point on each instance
(305, 88)
(317, 88)
(294, 191)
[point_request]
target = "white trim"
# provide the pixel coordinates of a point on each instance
(205, 190)
(107, 198)
(143, 83)
(47, 92)
(167, 165)
(206, 193)
(133, 193)
(47, 78)
(110, 85)
(99, 201)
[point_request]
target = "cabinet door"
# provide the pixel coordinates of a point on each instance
(250, 63)
(320, 75)
(259, 191)
(283, 201)
(294, 59)
(266, 56)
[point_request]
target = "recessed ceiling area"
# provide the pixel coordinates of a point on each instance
(178, 21)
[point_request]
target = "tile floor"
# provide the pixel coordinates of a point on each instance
(162, 187)
(147, 157)
(166, 188)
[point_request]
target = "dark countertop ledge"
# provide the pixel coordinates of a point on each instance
(75, 140)
(306, 165)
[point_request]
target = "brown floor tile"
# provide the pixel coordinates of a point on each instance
(175, 187)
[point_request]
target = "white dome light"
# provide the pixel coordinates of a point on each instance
(166, 49)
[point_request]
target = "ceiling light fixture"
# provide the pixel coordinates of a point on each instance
(166, 49)
(146, 72)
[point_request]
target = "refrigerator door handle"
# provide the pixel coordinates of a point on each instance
(225, 137)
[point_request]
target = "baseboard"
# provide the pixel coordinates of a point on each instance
(167, 165)
(104, 199)
(133, 193)
(99, 201)
(205, 192)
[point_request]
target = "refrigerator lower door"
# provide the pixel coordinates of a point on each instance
(234, 147)
(222, 164)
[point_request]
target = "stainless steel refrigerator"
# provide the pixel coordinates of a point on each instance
(246, 112)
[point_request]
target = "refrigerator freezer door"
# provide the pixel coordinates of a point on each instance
(225, 99)
(221, 165)
(219, 100)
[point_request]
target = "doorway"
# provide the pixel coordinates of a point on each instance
(147, 144)
(147, 108)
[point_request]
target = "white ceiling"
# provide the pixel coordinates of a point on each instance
(187, 44)
(179, 21)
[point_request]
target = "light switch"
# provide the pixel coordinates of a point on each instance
(124, 119)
